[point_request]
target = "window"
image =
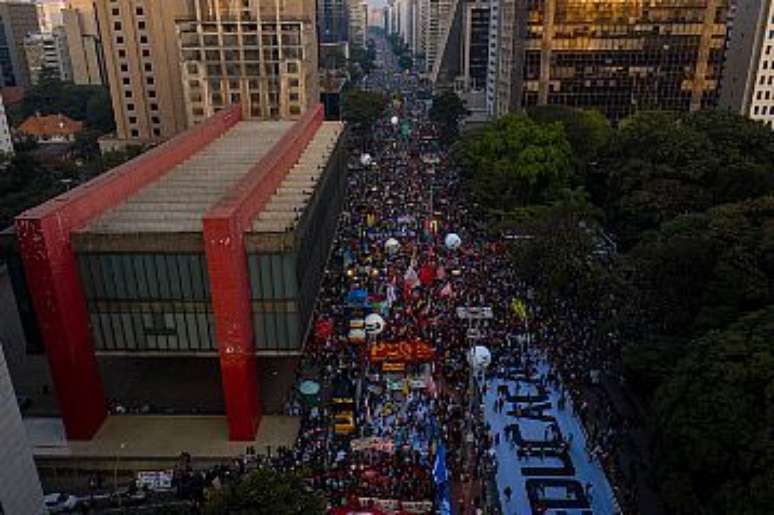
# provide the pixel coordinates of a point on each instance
(126, 81)
(145, 52)
(122, 54)
(151, 93)
(135, 133)
(156, 131)
(143, 40)
(154, 106)
(150, 81)
(128, 93)
(139, 11)
(119, 40)
(132, 120)
(115, 11)
(124, 67)
(141, 25)
(155, 119)
(130, 107)
(117, 25)
(148, 67)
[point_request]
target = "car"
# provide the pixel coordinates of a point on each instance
(344, 423)
(60, 503)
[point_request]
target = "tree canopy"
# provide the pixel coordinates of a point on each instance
(362, 108)
(265, 492)
(514, 162)
(447, 110)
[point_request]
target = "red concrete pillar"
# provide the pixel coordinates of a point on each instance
(54, 283)
(230, 287)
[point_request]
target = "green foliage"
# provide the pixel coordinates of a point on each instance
(265, 492)
(90, 104)
(362, 108)
(588, 132)
(447, 110)
(661, 165)
(514, 162)
(714, 415)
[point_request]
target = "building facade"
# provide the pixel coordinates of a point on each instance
(263, 57)
(614, 56)
(48, 51)
(84, 46)
(20, 490)
(211, 245)
(50, 14)
(747, 87)
(332, 20)
(358, 23)
(142, 61)
(6, 143)
(17, 20)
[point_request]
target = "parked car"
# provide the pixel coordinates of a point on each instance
(60, 503)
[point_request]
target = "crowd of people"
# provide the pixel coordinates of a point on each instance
(397, 423)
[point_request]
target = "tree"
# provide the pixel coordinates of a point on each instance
(265, 492)
(514, 162)
(714, 417)
(447, 110)
(362, 108)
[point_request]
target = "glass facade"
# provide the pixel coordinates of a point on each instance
(148, 302)
(619, 56)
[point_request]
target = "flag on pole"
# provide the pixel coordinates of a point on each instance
(519, 309)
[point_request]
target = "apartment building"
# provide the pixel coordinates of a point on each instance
(261, 54)
(358, 23)
(48, 51)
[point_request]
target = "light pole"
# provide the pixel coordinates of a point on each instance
(115, 472)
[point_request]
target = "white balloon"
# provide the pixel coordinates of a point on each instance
(391, 246)
(453, 241)
(479, 357)
(374, 324)
(365, 159)
(394, 120)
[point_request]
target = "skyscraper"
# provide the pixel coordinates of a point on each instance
(17, 19)
(747, 87)
(48, 51)
(358, 23)
(614, 56)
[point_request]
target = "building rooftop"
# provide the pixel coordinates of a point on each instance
(50, 125)
(179, 199)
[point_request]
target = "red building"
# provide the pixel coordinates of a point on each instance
(211, 244)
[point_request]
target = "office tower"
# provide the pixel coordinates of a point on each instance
(79, 20)
(261, 53)
(17, 19)
(6, 145)
(142, 61)
(358, 23)
(614, 56)
(493, 55)
(332, 20)
(48, 51)
(20, 490)
(747, 86)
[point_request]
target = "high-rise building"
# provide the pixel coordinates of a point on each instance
(261, 54)
(172, 63)
(79, 19)
(6, 144)
(142, 61)
(614, 56)
(17, 19)
(332, 22)
(50, 14)
(20, 490)
(436, 20)
(747, 86)
(358, 23)
(48, 51)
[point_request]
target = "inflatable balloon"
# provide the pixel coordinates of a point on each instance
(394, 121)
(365, 159)
(391, 246)
(453, 241)
(479, 358)
(374, 324)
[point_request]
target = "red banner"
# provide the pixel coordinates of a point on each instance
(404, 352)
